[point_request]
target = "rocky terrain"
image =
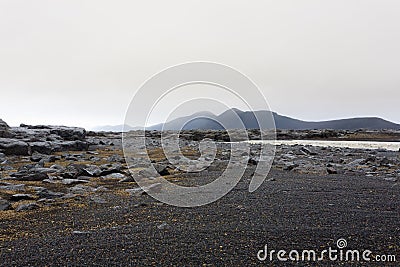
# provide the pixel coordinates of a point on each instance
(48, 171)
(36, 159)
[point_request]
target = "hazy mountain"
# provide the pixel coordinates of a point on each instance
(115, 128)
(206, 121)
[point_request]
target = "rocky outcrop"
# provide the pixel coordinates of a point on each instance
(4, 129)
(66, 133)
(28, 139)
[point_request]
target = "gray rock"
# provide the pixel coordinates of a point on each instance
(73, 181)
(290, 166)
(13, 187)
(57, 167)
(162, 226)
(69, 133)
(70, 145)
(43, 170)
(81, 189)
(162, 169)
(71, 158)
(69, 196)
(83, 177)
(111, 168)
(41, 147)
(307, 151)
(3, 125)
(94, 158)
(66, 133)
(52, 158)
(50, 181)
(142, 190)
(26, 207)
(148, 173)
(30, 176)
(127, 179)
(14, 147)
(72, 171)
(357, 162)
(98, 200)
(92, 170)
(36, 157)
(114, 176)
(116, 158)
(26, 168)
(49, 194)
(289, 156)
(4, 129)
(4, 204)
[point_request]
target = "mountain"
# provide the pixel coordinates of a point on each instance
(115, 128)
(206, 121)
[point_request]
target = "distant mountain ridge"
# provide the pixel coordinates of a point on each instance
(199, 121)
(115, 128)
(208, 120)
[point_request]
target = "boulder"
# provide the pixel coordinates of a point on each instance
(70, 145)
(36, 157)
(41, 147)
(81, 189)
(29, 176)
(5, 130)
(13, 187)
(114, 176)
(25, 207)
(4, 204)
(92, 170)
(111, 168)
(14, 147)
(69, 133)
(45, 193)
(72, 171)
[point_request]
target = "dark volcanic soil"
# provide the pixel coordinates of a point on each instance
(291, 212)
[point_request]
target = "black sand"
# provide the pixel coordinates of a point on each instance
(292, 212)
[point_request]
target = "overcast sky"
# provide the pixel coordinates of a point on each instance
(80, 62)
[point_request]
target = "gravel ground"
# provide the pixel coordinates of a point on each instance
(291, 211)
